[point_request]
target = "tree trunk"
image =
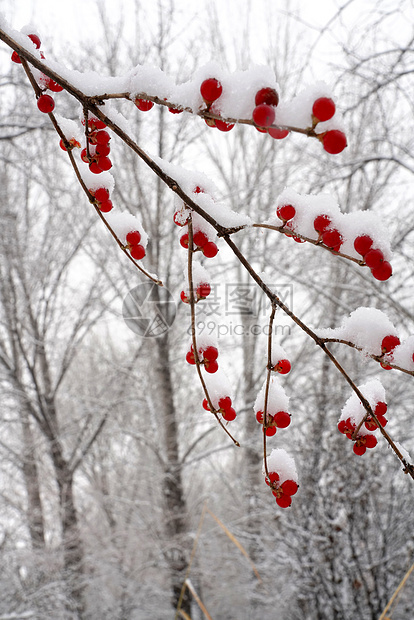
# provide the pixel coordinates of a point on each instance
(176, 524)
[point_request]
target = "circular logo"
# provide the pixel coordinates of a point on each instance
(149, 310)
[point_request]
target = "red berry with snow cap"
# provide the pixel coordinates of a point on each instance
(286, 212)
(389, 343)
(363, 244)
(211, 90)
(143, 104)
(268, 96)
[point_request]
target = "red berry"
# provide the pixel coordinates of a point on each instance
(277, 134)
(283, 366)
(332, 239)
(102, 137)
(289, 487)
(200, 239)
(273, 477)
(211, 366)
(286, 212)
(359, 449)
(180, 218)
(104, 163)
(266, 95)
(284, 501)
(133, 237)
(62, 145)
(203, 290)
(380, 408)
(46, 104)
(184, 297)
(389, 343)
(143, 104)
(229, 414)
(175, 110)
(35, 40)
(93, 167)
(16, 58)
(211, 90)
(334, 141)
(223, 126)
(264, 115)
(102, 150)
(184, 240)
(84, 156)
(101, 194)
(224, 403)
(54, 86)
(206, 405)
(106, 206)
(363, 244)
(210, 353)
(259, 417)
(270, 431)
(383, 271)
(190, 358)
(374, 258)
(210, 249)
(210, 122)
(321, 223)
(323, 109)
(282, 419)
(198, 190)
(137, 252)
(370, 441)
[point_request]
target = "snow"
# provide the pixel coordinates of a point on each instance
(93, 181)
(374, 392)
(278, 353)
(70, 128)
(123, 223)
(350, 225)
(277, 400)
(217, 385)
(403, 354)
(281, 462)
(365, 327)
(189, 180)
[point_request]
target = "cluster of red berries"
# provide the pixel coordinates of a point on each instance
(281, 419)
(224, 407)
(200, 239)
(282, 491)
(264, 114)
(332, 238)
(334, 140)
(45, 102)
(374, 258)
(364, 440)
(136, 249)
(101, 195)
(98, 149)
(206, 356)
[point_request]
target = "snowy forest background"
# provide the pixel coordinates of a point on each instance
(113, 422)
